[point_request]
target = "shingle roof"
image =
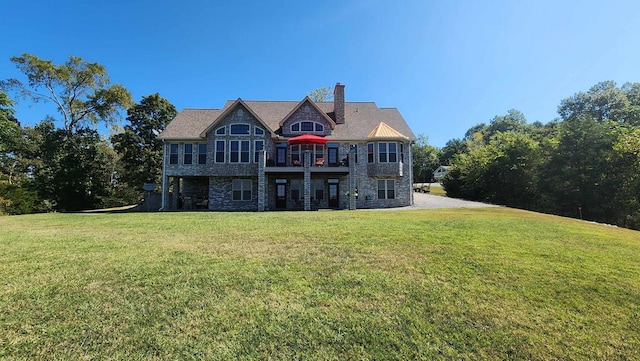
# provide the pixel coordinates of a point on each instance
(361, 118)
(189, 123)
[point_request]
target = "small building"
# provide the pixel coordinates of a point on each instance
(241, 157)
(440, 172)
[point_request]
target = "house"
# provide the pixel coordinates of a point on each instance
(241, 157)
(440, 172)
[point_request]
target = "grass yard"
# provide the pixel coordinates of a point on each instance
(481, 283)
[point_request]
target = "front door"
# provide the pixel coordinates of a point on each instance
(333, 195)
(281, 196)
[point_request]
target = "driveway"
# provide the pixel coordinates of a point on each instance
(428, 201)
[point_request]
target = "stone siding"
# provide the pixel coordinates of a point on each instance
(300, 115)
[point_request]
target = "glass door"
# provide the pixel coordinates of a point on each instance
(281, 196)
(333, 195)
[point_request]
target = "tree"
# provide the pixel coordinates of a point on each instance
(513, 121)
(473, 131)
(75, 172)
(138, 147)
(81, 90)
(425, 159)
(604, 101)
(451, 150)
(580, 171)
(322, 94)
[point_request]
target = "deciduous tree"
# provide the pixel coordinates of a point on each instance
(138, 147)
(81, 90)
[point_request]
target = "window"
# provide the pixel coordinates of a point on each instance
(239, 151)
(369, 152)
(221, 131)
(281, 154)
(219, 151)
(387, 152)
(258, 131)
(386, 189)
(188, 154)
(258, 146)
(241, 189)
(318, 151)
(202, 153)
(295, 154)
(239, 129)
(296, 185)
(382, 152)
(317, 189)
(393, 152)
(173, 153)
(332, 153)
(402, 152)
(307, 127)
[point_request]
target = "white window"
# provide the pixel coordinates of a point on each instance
(387, 152)
(219, 151)
(307, 127)
(239, 151)
(386, 189)
(258, 131)
(188, 154)
(202, 153)
(221, 131)
(173, 153)
(241, 189)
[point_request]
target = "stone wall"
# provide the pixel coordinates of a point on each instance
(221, 195)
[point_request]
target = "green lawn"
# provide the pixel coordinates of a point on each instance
(482, 283)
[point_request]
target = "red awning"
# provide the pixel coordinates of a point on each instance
(308, 139)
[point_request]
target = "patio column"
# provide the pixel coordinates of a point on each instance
(175, 185)
(307, 180)
(261, 181)
(352, 179)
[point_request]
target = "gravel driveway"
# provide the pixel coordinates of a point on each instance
(428, 201)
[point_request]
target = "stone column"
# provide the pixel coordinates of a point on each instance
(175, 182)
(352, 178)
(261, 181)
(165, 193)
(307, 180)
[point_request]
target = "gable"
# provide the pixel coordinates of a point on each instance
(307, 117)
(238, 113)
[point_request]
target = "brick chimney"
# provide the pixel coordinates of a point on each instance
(338, 103)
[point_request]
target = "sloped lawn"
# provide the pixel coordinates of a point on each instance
(482, 283)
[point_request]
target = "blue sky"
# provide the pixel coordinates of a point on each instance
(446, 65)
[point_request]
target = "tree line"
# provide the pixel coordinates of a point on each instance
(62, 163)
(583, 164)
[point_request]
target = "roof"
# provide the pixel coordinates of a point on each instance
(383, 131)
(361, 118)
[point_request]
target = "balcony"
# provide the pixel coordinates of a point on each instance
(317, 165)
